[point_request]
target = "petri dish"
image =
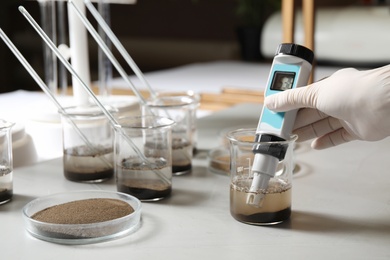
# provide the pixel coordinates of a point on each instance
(75, 234)
(219, 161)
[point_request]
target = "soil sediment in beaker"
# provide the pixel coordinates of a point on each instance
(181, 157)
(5, 195)
(83, 165)
(145, 189)
(142, 181)
(276, 205)
(6, 190)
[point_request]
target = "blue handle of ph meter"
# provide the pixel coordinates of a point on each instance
(274, 119)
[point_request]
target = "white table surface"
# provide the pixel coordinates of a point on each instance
(38, 115)
(341, 210)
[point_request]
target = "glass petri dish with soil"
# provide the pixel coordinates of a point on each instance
(82, 217)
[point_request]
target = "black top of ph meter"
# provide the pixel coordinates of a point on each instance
(296, 50)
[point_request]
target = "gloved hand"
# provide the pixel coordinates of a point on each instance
(346, 106)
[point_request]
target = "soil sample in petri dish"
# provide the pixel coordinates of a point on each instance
(85, 211)
(80, 212)
(181, 156)
(141, 180)
(82, 164)
(5, 184)
(276, 206)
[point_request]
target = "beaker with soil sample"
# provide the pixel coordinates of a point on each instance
(87, 144)
(194, 97)
(6, 163)
(275, 206)
(143, 157)
(181, 109)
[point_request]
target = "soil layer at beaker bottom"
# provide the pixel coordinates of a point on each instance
(265, 217)
(143, 189)
(92, 176)
(181, 169)
(5, 195)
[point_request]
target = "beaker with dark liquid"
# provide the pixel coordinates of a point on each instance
(87, 145)
(276, 204)
(181, 109)
(6, 162)
(143, 157)
(194, 98)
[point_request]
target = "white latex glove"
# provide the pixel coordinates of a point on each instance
(346, 106)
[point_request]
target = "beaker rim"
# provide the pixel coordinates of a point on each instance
(194, 96)
(89, 110)
(251, 132)
(171, 101)
(133, 122)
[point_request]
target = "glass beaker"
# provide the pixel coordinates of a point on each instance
(143, 157)
(6, 163)
(181, 110)
(276, 203)
(87, 145)
(195, 97)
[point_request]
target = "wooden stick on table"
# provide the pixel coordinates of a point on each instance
(288, 14)
(288, 21)
(309, 23)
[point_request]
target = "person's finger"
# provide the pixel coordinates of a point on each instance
(292, 99)
(335, 138)
(306, 116)
(318, 129)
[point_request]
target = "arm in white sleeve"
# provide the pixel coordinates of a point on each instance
(348, 105)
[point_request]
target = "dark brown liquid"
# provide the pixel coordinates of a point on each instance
(266, 217)
(5, 195)
(142, 192)
(181, 156)
(89, 176)
(275, 208)
(83, 165)
(181, 168)
(140, 179)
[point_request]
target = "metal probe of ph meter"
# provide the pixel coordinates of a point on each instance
(291, 68)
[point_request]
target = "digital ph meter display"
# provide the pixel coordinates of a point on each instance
(282, 80)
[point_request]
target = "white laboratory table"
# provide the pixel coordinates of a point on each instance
(35, 113)
(341, 210)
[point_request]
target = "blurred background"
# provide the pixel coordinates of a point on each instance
(159, 34)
